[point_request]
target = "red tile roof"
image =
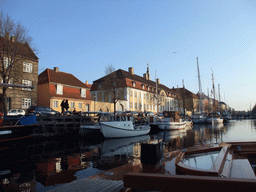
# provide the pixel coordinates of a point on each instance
(129, 79)
(51, 76)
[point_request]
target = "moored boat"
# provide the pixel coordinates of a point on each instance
(171, 121)
(23, 128)
(230, 160)
(117, 126)
(214, 118)
(90, 125)
(199, 119)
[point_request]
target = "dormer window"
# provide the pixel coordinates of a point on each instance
(143, 86)
(59, 89)
(133, 83)
(83, 92)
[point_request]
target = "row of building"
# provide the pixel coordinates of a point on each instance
(122, 90)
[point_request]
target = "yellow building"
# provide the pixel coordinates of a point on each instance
(130, 92)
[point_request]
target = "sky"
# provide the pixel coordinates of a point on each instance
(84, 37)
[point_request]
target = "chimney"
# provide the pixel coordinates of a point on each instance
(86, 82)
(13, 38)
(131, 70)
(56, 69)
(144, 75)
(158, 81)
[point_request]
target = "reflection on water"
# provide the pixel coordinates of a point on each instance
(41, 164)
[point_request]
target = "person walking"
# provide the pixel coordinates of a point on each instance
(63, 106)
(66, 105)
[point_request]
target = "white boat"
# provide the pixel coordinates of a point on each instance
(117, 126)
(199, 119)
(171, 121)
(90, 122)
(214, 119)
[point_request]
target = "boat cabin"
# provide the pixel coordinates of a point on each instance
(93, 117)
(174, 115)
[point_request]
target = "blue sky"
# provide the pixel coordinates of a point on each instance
(83, 37)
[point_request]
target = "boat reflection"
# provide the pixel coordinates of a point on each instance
(116, 152)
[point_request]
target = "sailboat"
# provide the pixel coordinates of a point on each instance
(214, 117)
(199, 117)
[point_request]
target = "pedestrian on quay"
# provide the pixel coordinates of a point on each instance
(66, 105)
(63, 106)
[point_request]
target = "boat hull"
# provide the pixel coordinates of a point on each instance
(16, 132)
(199, 119)
(89, 130)
(111, 130)
(172, 125)
(214, 120)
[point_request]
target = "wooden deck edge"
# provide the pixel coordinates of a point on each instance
(163, 182)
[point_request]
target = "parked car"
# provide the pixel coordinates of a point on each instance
(41, 111)
(150, 113)
(133, 113)
(16, 112)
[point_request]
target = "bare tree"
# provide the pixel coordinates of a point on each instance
(111, 84)
(15, 47)
(109, 69)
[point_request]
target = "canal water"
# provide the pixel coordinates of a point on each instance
(40, 164)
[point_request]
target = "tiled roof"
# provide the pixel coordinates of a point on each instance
(187, 92)
(23, 49)
(69, 92)
(51, 76)
(133, 78)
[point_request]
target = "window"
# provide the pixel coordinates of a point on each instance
(59, 89)
(6, 62)
(130, 105)
(133, 84)
(55, 104)
(135, 93)
(143, 86)
(80, 106)
(135, 106)
(83, 92)
(10, 82)
(139, 95)
(27, 67)
(72, 104)
(26, 103)
(130, 93)
(27, 83)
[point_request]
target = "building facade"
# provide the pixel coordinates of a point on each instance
(24, 64)
(131, 93)
(54, 86)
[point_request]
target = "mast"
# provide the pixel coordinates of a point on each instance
(156, 95)
(184, 110)
(219, 97)
(213, 89)
(200, 87)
